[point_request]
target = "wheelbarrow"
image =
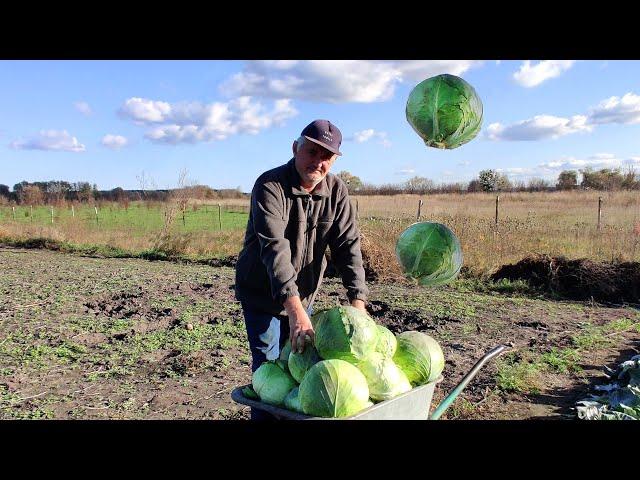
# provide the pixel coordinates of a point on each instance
(412, 405)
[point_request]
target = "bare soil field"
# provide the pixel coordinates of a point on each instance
(115, 338)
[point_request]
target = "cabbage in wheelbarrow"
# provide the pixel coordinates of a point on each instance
(355, 363)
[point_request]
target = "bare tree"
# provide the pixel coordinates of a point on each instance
(418, 184)
(176, 204)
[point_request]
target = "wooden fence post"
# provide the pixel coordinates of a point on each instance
(73, 213)
(419, 208)
(51, 215)
(96, 209)
(357, 210)
(220, 216)
(31, 212)
(497, 208)
(599, 212)
(184, 223)
(14, 213)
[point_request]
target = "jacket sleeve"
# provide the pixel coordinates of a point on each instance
(346, 252)
(268, 217)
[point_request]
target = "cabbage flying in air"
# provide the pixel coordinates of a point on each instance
(384, 378)
(445, 111)
(272, 383)
(430, 253)
(334, 388)
(419, 356)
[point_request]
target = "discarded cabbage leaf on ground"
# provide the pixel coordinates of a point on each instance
(621, 398)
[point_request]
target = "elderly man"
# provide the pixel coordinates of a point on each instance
(297, 210)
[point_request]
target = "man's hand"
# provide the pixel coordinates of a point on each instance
(359, 304)
(299, 324)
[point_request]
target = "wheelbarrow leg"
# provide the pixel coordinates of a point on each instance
(463, 383)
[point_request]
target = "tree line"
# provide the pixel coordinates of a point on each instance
(493, 181)
(57, 192)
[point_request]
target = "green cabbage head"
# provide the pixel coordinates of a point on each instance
(334, 388)
(286, 350)
(445, 111)
(292, 401)
(272, 383)
(300, 363)
(345, 333)
(384, 378)
(429, 253)
(387, 343)
(419, 356)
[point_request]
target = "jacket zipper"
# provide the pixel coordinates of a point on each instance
(307, 211)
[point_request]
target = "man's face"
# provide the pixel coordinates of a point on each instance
(313, 162)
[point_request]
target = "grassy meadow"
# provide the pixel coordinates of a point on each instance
(555, 223)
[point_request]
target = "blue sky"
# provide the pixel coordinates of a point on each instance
(225, 122)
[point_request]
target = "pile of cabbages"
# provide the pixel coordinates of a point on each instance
(352, 364)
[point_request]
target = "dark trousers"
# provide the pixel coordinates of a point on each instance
(267, 334)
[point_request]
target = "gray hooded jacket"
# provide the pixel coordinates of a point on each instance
(287, 235)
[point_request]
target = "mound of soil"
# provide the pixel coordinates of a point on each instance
(580, 279)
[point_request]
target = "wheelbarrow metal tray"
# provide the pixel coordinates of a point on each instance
(412, 405)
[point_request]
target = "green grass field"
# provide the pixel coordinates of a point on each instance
(138, 219)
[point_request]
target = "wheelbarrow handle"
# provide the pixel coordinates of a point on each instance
(463, 383)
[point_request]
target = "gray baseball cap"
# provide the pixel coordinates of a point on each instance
(324, 133)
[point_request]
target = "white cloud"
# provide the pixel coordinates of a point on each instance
(142, 111)
(515, 172)
(550, 170)
(83, 108)
(51, 140)
(366, 135)
(533, 75)
(597, 162)
(363, 135)
(619, 110)
(193, 122)
(538, 128)
(406, 171)
(114, 142)
(601, 156)
(419, 70)
(385, 143)
(464, 163)
(625, 110)
(335, 81)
